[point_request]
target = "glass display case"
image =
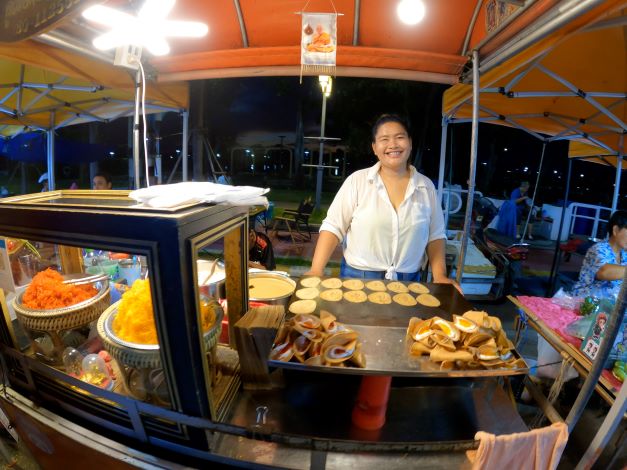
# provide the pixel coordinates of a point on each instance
(110, 306)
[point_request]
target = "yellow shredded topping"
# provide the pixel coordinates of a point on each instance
(135, 321)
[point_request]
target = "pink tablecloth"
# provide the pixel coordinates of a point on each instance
(558, 318)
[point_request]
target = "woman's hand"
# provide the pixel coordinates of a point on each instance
(446, 280)
(313, 272)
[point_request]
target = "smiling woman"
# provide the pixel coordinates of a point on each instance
(387, 216)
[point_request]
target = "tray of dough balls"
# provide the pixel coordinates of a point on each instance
(380, 327)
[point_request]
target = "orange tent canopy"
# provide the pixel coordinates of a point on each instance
(262, 37)
(43, 87)
(572, 85)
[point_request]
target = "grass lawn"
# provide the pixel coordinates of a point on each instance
(290, 199)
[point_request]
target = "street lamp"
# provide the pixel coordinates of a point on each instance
(326, 84)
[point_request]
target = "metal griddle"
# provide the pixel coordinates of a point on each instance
(382, 332)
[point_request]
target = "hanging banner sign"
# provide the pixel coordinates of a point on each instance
(21, 19)
(318, 43)
(497, 11)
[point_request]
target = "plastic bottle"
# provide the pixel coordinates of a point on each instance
(372, 401)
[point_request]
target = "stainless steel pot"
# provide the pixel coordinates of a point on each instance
(277, 277)
(211, 286)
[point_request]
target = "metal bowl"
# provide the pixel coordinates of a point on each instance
(110, 313)
(138, 354)
(279, 277)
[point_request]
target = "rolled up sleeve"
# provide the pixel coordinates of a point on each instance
(437, 230)
(341, 210)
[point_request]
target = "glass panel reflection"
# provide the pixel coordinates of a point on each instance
(89, 313)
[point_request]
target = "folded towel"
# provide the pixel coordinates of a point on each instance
(539, 449)
(172, 195)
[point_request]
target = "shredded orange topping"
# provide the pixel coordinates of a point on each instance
(47, 291)
(135, 321)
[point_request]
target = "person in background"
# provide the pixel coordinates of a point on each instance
(605, 262)
(102, 181)
(386, 216)
(260, 252)
(224, 179)
(523, 205)
(43, 180)
(74, 185)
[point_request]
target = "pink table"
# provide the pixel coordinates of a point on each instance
(546, 315)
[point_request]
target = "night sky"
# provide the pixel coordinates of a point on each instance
(256, 111)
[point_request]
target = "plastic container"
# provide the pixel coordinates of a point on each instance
(130, 270)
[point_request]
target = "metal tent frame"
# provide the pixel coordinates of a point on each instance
(570, 130)
(66, 103)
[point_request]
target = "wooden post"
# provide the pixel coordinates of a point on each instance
(71, 259)
(236, 264)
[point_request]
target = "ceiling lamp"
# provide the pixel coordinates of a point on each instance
(148, 29)
(411, 11)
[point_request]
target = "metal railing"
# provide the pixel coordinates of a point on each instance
(578, 211)
(454, 195)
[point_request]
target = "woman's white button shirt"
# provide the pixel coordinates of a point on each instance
(376, 237)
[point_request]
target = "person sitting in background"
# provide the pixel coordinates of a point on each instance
(260, 252)
(102, 181)
(605, 262)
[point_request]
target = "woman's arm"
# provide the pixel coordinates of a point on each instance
(327, 242)
(436, 251)
(610, 272)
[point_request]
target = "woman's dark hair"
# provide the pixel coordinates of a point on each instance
(106, 176)
(618, 219)
(385, 118)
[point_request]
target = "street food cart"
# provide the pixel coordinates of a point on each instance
(181, 400)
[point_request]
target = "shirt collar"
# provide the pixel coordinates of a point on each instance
(416, 180)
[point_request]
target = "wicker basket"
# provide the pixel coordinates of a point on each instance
(66, 318)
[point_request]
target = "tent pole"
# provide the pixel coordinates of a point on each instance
(185, 143)
(50, 154)
(22, 178)
(473, 164)
(535, 192)
(605, 432)
(619, 168)
(136, 133)
(450, 178)
(442, 160)
(556, 256)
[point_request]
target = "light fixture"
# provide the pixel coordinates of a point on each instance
(148, 29)
(326, 83)
(411, 11)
